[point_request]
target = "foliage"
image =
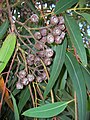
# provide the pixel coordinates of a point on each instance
(57, 85)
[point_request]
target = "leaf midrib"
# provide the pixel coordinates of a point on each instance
(77, 82)
(74, 37)
(63, 6)
(41, 111)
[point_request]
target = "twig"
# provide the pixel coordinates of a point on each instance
(10, 16)
(76, 112)
(31, 93)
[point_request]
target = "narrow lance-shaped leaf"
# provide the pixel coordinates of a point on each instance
(24, 97)
(77, 78)
(16, 113)
(6, 50)
(87, 17)
(57, 66)
(86, 75)
(75, 37)
(63, 5)
(46, 111)
(3, 28)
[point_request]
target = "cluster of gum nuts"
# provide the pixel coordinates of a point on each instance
(43, 37)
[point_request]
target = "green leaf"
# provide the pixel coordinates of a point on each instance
(86, 16)
(31, 5)
(76, 39)
(24, 97)
(16, 113)
(3, 28)
(57, 66)
(7, 50)
(46, 111)
(82, 3)
(76, 75)
(63, 5)
(86, 75)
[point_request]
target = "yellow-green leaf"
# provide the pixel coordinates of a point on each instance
(3, 28)
(46, 111)
(6, 50)
(76, 39)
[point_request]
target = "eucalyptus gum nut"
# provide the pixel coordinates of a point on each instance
(22, 73)
(41, 53)
(49, 52)
(61, 20)
(54, 20)
(62, 27)
(58, 40)
(25, 81)
(19, 85)
(39, 79)
(29, 62)
(31, 57)
(30, 77)
(47, 61)
(56, 31)
(50, 38)
(37, 60)
(43, 39)
(37, 35)
(34, 18)
(43, 32)
(39, 46)
(62, 35)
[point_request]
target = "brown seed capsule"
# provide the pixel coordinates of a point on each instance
(30, 77)
(22, 73)
(61, 27)
(47, 61)
(61, 20)
(24, 81)
(31, 57)
(29, 62)
(43, 32)
(34, 18)
(39, 46)
(39, 79)
(43, 39)
(54, 20)
(56, 31)
(50, 38)
(41, 53)
(37, 35)
(62, 35)
(19, 85)
(37, 60)
(58, 40)
(44, 76)
(49, 52)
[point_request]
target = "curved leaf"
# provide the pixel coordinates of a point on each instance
(82, 3)
(76, 39)
(24, 97)
(86, 75)
(16, 113)
(76, 75)
(63, 5)
(57, 66)
(7, 50)
(3, 28)
(46, 111)
(86, 16)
